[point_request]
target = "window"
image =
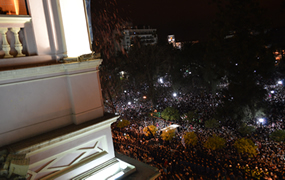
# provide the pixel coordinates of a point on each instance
(13, 7)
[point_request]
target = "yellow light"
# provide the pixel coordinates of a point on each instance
(16, 5)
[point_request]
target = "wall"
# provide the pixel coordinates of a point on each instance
(37, 100)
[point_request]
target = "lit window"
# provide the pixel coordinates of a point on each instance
(13, 7)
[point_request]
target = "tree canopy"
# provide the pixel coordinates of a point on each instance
(190, 138)
(215, 142)
(245, 146)
(238, 48)
(168, 134)
(123, 123)
(150, 130)
(170, 113)
(278, 135)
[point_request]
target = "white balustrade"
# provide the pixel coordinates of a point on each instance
(12, 24)
(5, 45)
(18, 44)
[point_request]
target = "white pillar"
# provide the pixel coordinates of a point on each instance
(5, 46)
(18, 45)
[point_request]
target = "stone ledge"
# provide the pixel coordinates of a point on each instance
(48, 71)
(35, 143)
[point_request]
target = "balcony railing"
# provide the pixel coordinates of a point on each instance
(12, 40)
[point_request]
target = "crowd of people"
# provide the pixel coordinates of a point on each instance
(177, 161)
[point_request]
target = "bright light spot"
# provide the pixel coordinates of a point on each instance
(280, 82)
(74, 46)
(123, 165)
(261, 120)
(254, 71)
(125, 91)
(129, 103)
(174, 94)
(272, 92)
(232, 97)
(144, 97)
(189, 72)
(16, 7)
(160, 80)
(236, 64)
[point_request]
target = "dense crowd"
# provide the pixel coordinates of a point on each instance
(175, 161)
(178, 162)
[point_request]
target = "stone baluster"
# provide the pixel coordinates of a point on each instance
(5, 46)
(18, 45)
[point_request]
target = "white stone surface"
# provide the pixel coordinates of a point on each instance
(37, 100)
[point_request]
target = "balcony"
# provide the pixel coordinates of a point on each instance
(12, 38)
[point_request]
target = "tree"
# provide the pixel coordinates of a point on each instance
(238, 47)
(278, 135)
(145, 64)
(245, 146)
(215, 142)
(170, 113)
(150, 130)
(245, 130)
(105, 23)
(190, 138)
(123, 123)
(193, 71)
(212, 123)
(191, 116)
(112, 84)
(168, 134)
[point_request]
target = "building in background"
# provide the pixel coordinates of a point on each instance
(147, 36)
(53, 124)
(171, 40)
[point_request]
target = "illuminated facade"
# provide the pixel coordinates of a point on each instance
(171, 40)
(52, 115)
(146, 36)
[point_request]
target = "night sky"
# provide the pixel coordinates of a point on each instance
(188, 20)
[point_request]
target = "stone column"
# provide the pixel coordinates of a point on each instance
(5, 46)
(18, 45)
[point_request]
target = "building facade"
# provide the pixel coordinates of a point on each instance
(146, 37)
(53, 124)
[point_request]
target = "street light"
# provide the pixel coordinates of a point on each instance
(261, 121)
(174, 94)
